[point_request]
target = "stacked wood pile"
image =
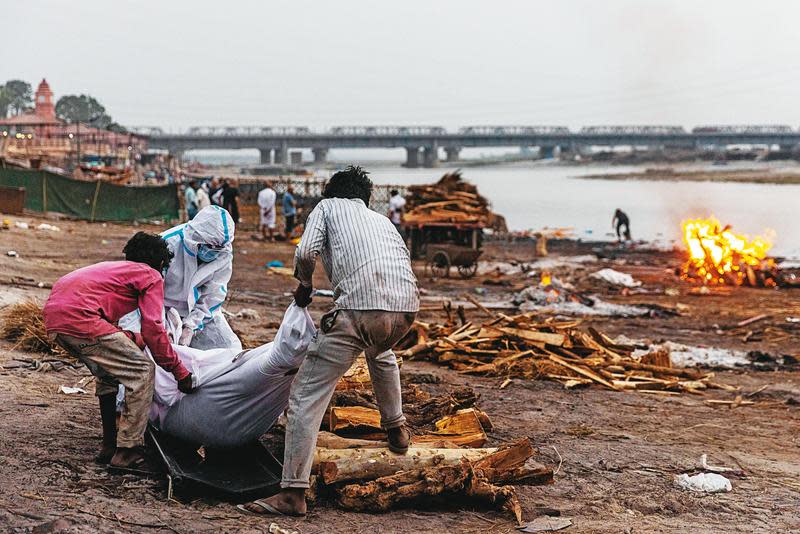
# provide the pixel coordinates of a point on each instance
(450, 200)
(521, 346)
(445, 459)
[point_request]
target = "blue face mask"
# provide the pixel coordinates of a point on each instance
(208, 254)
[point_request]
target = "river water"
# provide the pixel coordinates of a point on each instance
(537, 196)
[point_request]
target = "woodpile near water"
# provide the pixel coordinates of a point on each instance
(450, 200)
(522, 346)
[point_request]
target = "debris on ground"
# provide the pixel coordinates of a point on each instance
(523, 347)
(550, 300)
(23, 324)
(692, 356)
(615, 278)
(244, 313)
(69, 390)
(703, 483)
(546, 524)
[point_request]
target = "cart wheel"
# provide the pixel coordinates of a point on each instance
(468, 271)
(440, 265)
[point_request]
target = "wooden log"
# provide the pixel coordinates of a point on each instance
(328, 440)
(424, 413)
(498, 364)
(527, 335)
(344, 465)
(513, 463)
(583, 371)
(669, 371)
(472, 480)
(442, 483)
(357, 377)
(354, 419)
(463, 428)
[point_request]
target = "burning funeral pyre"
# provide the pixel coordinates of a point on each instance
(718, 256)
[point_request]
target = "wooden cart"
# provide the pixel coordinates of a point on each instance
(446, 245)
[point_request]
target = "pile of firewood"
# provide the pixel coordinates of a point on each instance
(450, 200)
(445, 460)
(523, 347)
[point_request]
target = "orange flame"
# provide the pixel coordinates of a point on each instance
(717, 255)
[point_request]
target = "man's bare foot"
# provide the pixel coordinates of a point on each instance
(106, 453)
(289, 501)
(128, 458)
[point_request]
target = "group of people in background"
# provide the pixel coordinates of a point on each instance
(223, 193)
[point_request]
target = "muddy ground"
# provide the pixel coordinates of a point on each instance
(615, 453)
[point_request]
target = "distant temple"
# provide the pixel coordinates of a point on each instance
(41, 120)
(42, 124)
(39, 136)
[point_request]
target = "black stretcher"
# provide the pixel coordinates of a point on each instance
(239, 474)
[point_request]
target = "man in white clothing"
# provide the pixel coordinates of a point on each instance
(203, 199)
(266, 204)
(397, 205)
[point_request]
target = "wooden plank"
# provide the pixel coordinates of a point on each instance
(528, 335)
(583, 371)
(354, 418)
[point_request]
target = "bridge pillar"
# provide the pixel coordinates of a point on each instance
(547, 152)
(282, 155)
(412, 157)
(452, 153)
(265, 156)
(431, 156)
(320, 155)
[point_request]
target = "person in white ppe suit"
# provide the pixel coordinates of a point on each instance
(195, 283)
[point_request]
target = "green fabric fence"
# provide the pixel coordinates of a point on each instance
(93, 201)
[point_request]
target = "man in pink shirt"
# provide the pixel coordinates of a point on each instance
(81, 314)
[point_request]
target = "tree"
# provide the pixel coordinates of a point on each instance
(83, 108)
(5, 102)
(19, 94)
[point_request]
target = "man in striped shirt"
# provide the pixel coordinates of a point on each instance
(376, 301)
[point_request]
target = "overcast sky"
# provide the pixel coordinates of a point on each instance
(179, 63)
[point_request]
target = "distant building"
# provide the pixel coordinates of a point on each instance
(41, 121)
(41, 127)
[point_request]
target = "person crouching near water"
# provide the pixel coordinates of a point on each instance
(620, 221)
(81, 315)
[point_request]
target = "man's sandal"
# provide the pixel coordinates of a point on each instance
(267, 509)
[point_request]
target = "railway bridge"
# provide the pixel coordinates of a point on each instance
(423, 144)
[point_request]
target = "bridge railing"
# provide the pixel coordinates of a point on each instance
(757, 129)
(633, 130)
(514, 130)
(386, 130)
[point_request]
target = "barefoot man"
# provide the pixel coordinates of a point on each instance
(376, 298)
(81, 314)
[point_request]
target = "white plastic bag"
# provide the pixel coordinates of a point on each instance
(704, 483)
(616, 278)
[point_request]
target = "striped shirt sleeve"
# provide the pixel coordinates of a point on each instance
(310, 246)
